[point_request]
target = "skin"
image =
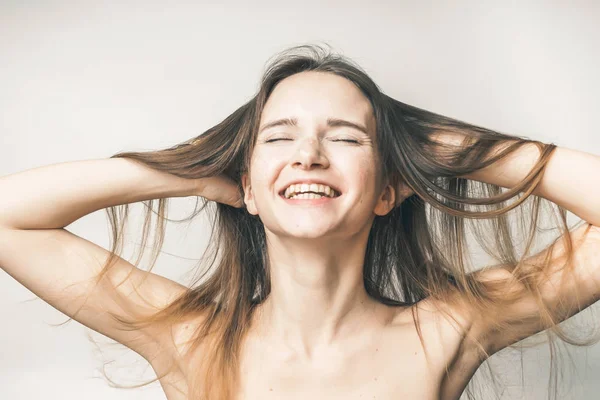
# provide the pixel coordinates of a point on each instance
(316, 253)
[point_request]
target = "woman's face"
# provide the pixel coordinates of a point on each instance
(343, 156)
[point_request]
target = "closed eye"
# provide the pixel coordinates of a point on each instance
(274, 140)
(346, 140)
(335, 140)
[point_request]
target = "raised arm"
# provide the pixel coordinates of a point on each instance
(56, 265)
(570, 180)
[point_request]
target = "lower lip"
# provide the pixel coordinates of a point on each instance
(311, 202)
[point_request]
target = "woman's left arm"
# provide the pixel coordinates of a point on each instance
(571, 178)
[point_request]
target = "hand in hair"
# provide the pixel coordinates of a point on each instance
(220, 189)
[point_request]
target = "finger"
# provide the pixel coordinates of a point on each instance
(237, 200)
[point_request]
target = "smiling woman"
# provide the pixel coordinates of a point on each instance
(340, 222)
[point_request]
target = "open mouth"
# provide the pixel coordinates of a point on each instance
(307, 195)
(323, 191)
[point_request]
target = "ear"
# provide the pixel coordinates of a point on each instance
(386, 201)
(248, 197)
(392, 197)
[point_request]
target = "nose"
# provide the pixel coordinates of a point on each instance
(309, 154)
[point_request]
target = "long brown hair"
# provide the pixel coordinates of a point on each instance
(415, 251)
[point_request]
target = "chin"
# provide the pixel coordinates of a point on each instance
(305, 233)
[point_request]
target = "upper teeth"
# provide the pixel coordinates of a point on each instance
(305, 187)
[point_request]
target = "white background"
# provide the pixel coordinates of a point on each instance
(82, 80)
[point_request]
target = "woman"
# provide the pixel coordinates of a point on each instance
(340, 223)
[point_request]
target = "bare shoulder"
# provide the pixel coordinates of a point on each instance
(452, 359)
(181, 342)
(430, 312)
(176, 362)
(442, 326)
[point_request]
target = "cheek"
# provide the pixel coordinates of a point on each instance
(264, 172)
(367, 184)
(367, 176)
(363, 167)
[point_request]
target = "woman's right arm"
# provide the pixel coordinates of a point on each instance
(56, 265)
(54, 196)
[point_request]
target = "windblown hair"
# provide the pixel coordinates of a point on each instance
(417, 250)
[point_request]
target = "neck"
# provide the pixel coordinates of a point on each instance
(317, 294)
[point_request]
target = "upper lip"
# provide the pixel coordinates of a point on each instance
(309, 181)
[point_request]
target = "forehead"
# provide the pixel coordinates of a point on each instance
(316, 96)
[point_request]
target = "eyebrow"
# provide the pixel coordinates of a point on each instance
(331, 122)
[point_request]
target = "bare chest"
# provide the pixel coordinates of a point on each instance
(393, 367)
(361, 379)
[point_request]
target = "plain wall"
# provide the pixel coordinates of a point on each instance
(80, 80)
